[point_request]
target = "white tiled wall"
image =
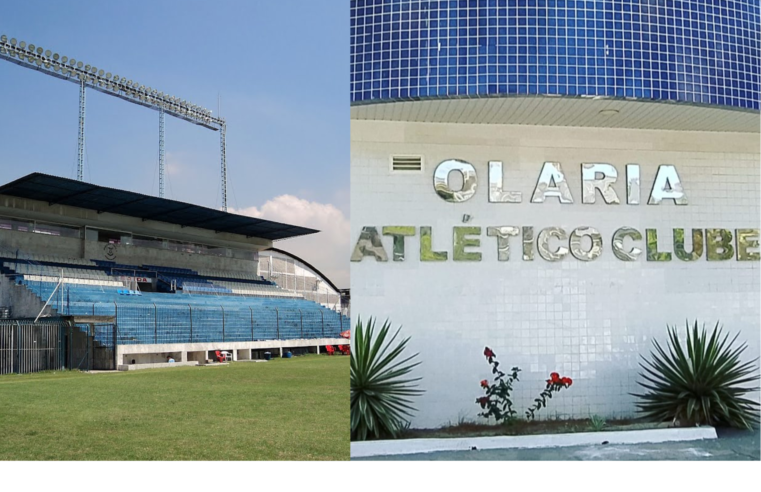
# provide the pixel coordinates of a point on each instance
(589, 321)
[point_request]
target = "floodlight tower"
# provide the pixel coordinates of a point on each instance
(86, 76)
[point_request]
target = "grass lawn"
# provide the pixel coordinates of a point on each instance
(284, 409)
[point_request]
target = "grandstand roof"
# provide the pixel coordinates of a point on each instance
(64, 191)
(306, 263)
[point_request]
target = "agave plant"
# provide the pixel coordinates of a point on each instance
(706, 385)
(380, 388)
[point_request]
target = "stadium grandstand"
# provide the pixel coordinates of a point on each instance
(295, 274)
(140, 278)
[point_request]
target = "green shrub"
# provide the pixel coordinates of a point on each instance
(597, 423)
(706, 385)
(380, 389)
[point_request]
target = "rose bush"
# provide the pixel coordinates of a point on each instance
(554, 384)
(497, 402)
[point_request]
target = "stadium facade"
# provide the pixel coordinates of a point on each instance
(141, 278)
(558, 180)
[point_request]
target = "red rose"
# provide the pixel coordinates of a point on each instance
(488, 352)
(483, 401)
(549, 382)
(568, 381)
(484, 383)
(555, 377)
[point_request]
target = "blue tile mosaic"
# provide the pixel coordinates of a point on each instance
(699, 51)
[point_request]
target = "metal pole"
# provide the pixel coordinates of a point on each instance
(155, 324)
(61, 346)
(252, 323)
(277, 322)
(18, 348)
(81, 141)
(223, 159)
(191, 322)
(116, 344)
(161, 152)
(223, 322)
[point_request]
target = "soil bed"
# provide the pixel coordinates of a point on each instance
(524, 428)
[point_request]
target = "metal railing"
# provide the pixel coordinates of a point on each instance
(161, 324)
(26, 346)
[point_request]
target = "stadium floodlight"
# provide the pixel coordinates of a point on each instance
(87, 76)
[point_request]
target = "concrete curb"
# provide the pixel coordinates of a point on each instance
(368, 449)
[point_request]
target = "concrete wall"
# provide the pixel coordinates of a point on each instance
(586, 320)
(93, 250)
(25, 209)
(74, 216)
(148, 358)
(22, 302)
(134, 255)
(27, 242)
(196, 351)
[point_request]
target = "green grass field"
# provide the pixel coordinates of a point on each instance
(284, 409)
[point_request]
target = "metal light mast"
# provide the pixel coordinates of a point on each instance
(161, 153)
(86, 76)
(81, 139)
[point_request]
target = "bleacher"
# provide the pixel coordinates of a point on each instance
(262, 289)
(98, 272)
(211, 307)
(230, 274)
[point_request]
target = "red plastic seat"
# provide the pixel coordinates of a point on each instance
(330, 350)
(220, 357)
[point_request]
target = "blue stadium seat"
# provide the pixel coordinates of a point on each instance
(155, 317)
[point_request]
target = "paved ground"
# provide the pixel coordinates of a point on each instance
(732, 445)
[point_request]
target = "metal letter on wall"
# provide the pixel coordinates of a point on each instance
(369, 244)
(426, 248)
(528, 243)
(398, 233)
(576, 247)
(667, 186)
(496, 193)
(543, 243)
(697, 245)
(652, 247)
(618, 244)
(632, 184)
(461, 241)
(441, 180)
(590, 182)
(502, 234)
(552, 182)
(719, 245)
(746, 239)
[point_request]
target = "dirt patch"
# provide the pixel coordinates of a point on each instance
(524, 428)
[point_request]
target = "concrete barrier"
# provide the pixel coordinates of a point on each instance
(158, 365)
(367, 449)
